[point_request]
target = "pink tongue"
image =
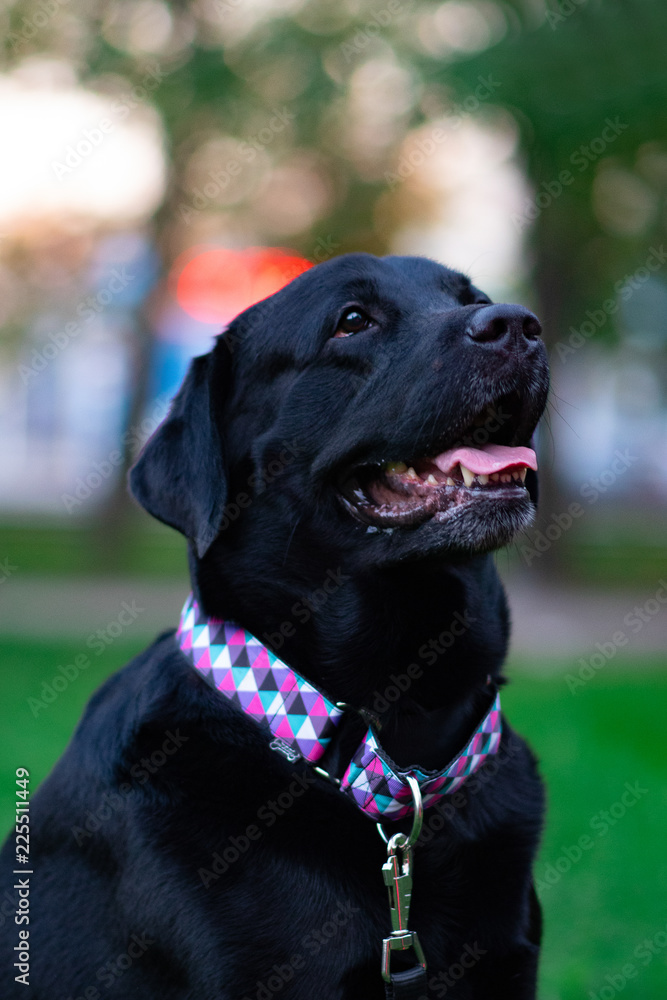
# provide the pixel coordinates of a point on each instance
(484, 461)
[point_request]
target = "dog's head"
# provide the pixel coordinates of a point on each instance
(382, 408)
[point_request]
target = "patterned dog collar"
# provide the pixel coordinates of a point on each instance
(303, 720)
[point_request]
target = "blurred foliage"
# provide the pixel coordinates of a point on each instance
(358, 75)
(581, 83)
(563, 80)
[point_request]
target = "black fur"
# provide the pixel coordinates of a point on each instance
(227, 872)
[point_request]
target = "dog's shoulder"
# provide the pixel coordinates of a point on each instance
(154, 716)
(127, 701)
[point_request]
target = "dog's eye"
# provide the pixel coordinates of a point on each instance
(352, 321)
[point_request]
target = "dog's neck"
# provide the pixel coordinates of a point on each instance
(413, 643)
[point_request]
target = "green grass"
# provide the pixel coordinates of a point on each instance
(614, 896)
(34, 736)
(612, 731)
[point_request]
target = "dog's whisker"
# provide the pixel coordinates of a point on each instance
(289, 540)
(554, 409)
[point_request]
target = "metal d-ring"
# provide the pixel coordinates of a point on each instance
(404, 841)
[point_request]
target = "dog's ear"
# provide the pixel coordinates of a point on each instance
(180, 476)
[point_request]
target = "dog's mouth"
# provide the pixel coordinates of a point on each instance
(409, 491)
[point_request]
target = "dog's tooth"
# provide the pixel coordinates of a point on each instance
(495, 477)
(522, 474)
(468, 476)
(396, 467)
(506, 478)
(431, 480)
(450, 481)
(411, 474)
(483, 479)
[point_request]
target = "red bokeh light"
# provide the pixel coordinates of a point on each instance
(214, 284)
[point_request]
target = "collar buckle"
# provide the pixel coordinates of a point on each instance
(397, 875)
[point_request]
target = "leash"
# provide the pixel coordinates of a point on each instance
(410, 984)
(302, 720)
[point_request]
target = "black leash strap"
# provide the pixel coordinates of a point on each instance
(408, 985)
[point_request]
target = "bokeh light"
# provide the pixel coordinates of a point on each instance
(214, 284)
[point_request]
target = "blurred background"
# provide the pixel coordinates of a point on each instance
(167, 164)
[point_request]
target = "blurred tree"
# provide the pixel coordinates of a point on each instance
(284, 118)
(586, 83)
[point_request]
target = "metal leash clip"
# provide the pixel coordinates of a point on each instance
(397, 874)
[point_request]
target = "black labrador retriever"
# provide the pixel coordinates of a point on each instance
(342, 463)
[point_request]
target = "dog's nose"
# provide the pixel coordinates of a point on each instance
(503, 323)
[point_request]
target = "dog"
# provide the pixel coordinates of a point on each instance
(343, 463)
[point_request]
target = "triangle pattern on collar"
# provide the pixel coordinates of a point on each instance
(304, 719)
